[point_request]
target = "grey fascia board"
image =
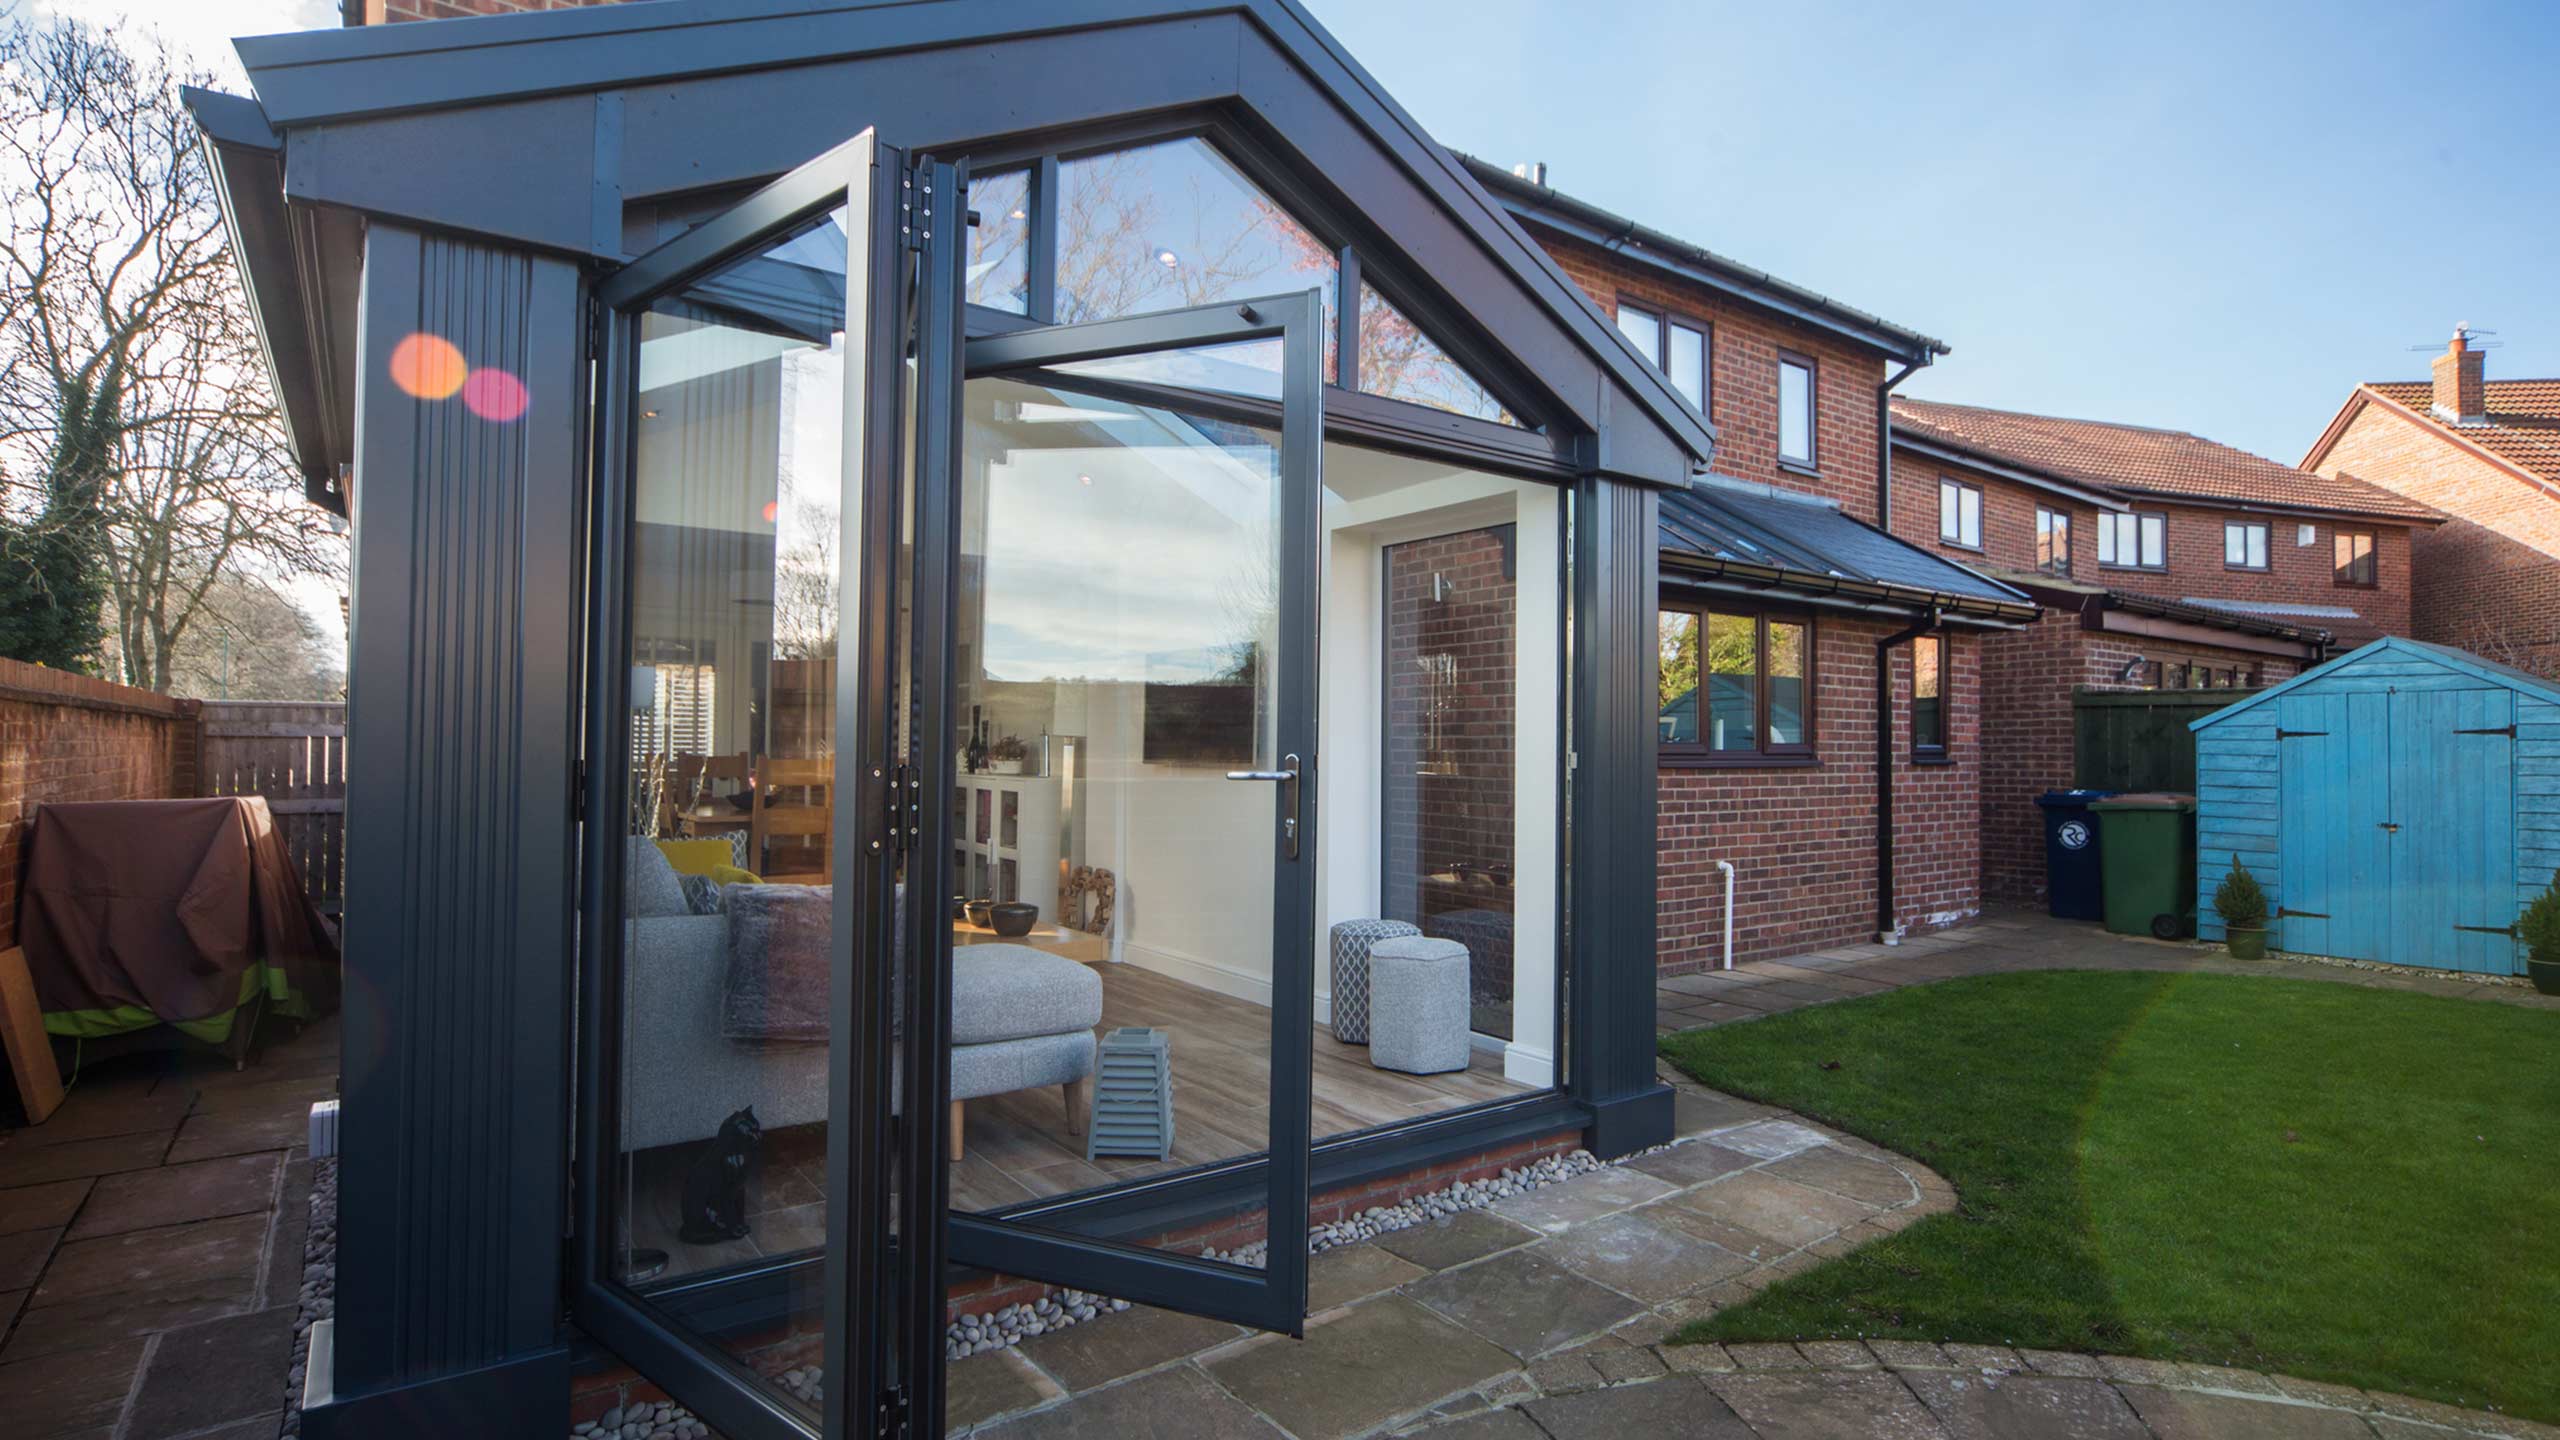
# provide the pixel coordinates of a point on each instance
(1552, 208)
(1934, 449)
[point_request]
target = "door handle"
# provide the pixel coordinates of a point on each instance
(2391, 825)
(1287, 778)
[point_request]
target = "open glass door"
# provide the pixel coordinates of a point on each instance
(1124, 774)
(745, 1207)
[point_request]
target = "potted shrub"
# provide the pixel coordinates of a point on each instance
(2540, 931)
(2243, 907)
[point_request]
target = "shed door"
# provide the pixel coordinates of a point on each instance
(2337, 778)
(2453, 859)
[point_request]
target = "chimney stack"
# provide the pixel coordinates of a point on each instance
(1533, 171)
(2462, 383)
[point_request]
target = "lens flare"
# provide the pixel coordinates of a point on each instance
(428, 366)
(771, 509)
(495, 395)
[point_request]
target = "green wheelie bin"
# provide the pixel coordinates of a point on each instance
(2147, 848)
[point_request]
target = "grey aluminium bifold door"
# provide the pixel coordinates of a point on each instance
(1124, 561)
(744, 1183)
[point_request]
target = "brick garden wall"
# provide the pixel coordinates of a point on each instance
(2488, 582)
(66, 737)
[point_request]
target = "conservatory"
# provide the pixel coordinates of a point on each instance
(993, 649)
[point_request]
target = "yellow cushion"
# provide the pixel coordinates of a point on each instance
(696, 857)
(727, 874)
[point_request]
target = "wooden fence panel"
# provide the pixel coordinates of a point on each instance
(2138, 739)
(295, 754)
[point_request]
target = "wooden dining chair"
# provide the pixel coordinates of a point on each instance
(795, 800)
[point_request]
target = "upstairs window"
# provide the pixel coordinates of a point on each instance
(1736, 686)
(1677, 347)
(2053, 541)
(1959, 513)
(1795, 411)
(2356, 567)
(1929, 698)
(2244, 545)
(2134, 541)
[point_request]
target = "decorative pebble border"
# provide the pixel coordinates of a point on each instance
(319, 1298)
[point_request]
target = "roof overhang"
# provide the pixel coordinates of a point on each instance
(587, 109)
(1734, 536)
(1836, 592)
(1929, 447)
(2128, 612)
(1666, 254)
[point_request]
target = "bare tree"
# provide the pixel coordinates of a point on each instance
(255, 643)
(114, 281)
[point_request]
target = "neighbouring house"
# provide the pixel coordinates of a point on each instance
(1805, 652)
(2487, 454)
(832, 635)
(2162, 560)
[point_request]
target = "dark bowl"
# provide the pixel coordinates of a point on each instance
(1013, 918)
(976, 911)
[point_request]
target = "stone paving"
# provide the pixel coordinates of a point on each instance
(151, 1245)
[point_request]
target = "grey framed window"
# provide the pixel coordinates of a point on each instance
(1796, 376)
(1959, 513)
(1929, 699)
(2244, 545)
(1678, 347)
(1736, 686)
(2352, 551)
(2053, 541)
(2134, 540)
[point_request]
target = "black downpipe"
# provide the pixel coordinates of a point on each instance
(1884, 763)
(1884, 441)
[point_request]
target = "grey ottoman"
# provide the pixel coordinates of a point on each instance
(1351, 942)
(1418, 1005)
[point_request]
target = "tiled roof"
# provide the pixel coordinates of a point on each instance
(2523, 426)
(2138, 460)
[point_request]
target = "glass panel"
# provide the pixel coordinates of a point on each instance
(1928, 706)
(1733, 682)
(1687, 356)
(1789, 702)
(1118, 589)
(1969, 517)
(1795, 412)
(2257, 547)
(1443, 634)
(1243, 367)
(1643, 329)
(1678, 631)
(2235, 547)
(737, 451)
(1946, 510)
(1171, 225)
(1399, 362)
(2110, 527)
(2155, 540)
(1000, 244)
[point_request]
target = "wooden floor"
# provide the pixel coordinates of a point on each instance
(1019, 1147)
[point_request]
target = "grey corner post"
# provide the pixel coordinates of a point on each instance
(1610, 1051)
(461, 855)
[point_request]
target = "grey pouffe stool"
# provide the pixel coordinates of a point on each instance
(1418, 1005)
(1352, 940)
(1133, 1103)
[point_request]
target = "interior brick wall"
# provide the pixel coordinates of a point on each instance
(2488, 582)
(66, 737)
(1803, 839)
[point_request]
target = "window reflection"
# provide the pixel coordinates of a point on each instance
(1733, 682)
(1400, 362)
(999, 275)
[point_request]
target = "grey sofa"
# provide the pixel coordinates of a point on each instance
(1021, 1019)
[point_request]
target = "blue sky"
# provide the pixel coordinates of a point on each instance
(2216, 218)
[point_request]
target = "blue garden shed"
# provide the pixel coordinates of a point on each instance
(2400, 803)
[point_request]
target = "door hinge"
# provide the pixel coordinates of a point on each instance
(2297, 734)
(906, 808)
(892, 1420)
(2507, 730)
(595, 327)
(2507, 930)
(578, 794)
(915, 206)
(2282, 911)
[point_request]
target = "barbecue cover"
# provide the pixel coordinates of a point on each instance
(163, 905)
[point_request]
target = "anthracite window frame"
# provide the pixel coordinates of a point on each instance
(2110, 523)
(1960, 490)
(2358, 571)
(1698, 754)
(2266, 543)
(1809, 462)
(2053, 526)
(1665, 322)
(1932, 752)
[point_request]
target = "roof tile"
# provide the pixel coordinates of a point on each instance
(2523, 426)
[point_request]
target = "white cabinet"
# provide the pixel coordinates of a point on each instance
(1005, 839)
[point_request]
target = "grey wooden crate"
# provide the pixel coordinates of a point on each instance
(1133, 1095)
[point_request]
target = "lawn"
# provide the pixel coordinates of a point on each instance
(2315, 1179)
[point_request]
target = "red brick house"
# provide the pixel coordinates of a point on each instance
(1780, 583)
(2162, 559)
(2486, 453)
